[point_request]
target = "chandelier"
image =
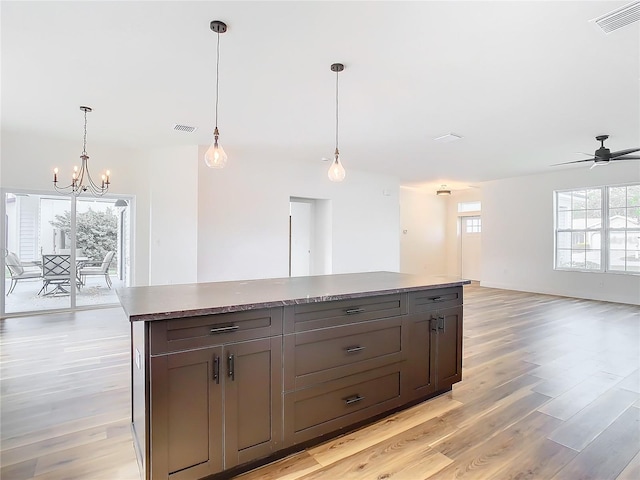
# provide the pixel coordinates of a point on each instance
(81, 180)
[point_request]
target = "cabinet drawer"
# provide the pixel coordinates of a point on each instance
(310, 316)
(322, 355)
(333, 405)
(428, 300)
(208, 330)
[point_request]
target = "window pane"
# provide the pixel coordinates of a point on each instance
(564, 220)
(564, 240)
(633, 217)
(593, 260)
(617, 218)
(633, 240)
(579, 200)
(616, 240)
(633, 195)
(617, 196)
(564, 200)
(579, 220)
(633, 261)
(578, 258)
(594, 218)
(563, 259)
(594, 198)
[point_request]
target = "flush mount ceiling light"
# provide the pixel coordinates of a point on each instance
(336, 170)
(443, 191)
(81, 180)
(215, 157)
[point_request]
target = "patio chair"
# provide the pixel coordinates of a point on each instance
(97, 268)
(18, 271)
(56, 270)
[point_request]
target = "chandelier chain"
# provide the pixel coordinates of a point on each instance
(84, 141)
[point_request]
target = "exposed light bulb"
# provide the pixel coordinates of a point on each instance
(215, 156)
(336, 171)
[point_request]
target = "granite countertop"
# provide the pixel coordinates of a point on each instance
(178, 301)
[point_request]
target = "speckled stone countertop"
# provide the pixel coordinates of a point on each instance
(178, 301)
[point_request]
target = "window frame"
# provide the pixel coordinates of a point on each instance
(604, 230)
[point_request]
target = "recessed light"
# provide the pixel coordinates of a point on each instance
(448, 138)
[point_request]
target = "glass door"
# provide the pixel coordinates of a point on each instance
(63, 252)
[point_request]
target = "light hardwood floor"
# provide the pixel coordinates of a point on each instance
(550, 390)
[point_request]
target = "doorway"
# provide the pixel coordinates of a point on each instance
(471, 247)
(309, 236)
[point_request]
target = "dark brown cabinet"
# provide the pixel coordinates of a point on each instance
(212, 392)
(434, 342)
(215, 408)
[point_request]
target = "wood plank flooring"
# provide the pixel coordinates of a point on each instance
(550, 390)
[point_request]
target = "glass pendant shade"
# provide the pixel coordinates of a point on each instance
(336, 171)
(215, 156)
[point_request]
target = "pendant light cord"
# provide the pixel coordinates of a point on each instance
(217, 76)
(337, 110)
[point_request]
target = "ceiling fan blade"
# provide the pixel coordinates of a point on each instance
(628, 157)
(576, 161)
(624, 152)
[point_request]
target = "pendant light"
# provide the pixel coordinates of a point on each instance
(336, 170)
(81, 180)
(215, 157)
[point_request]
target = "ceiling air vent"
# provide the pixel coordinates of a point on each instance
(184, 128)
(619, 18)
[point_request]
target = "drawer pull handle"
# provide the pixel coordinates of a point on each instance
(353, 399)
(216, 369)
(436, 299)
(230, 367)
(351, 311)
(354, 349)
(228, 329)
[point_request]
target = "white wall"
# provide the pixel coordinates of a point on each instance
(517, 235)
(422, 231)
(173, 234)
(243, 216)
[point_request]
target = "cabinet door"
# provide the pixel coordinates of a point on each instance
(253, 399)
(420, 337)
(448, 347)
(186, 415)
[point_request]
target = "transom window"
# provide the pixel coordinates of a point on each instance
(598, 229)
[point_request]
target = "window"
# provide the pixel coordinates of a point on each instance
(598, 229)
(464, 207)
(473, 225)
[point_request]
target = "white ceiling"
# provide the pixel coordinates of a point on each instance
(527, 84)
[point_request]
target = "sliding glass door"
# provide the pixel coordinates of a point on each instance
(63, 252)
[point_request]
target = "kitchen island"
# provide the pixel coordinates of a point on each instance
(227, 375)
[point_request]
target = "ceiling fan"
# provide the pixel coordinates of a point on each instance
(603, 156)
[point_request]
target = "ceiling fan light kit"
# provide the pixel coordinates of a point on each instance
(604, 156)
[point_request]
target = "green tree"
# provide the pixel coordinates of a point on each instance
(96, 232)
